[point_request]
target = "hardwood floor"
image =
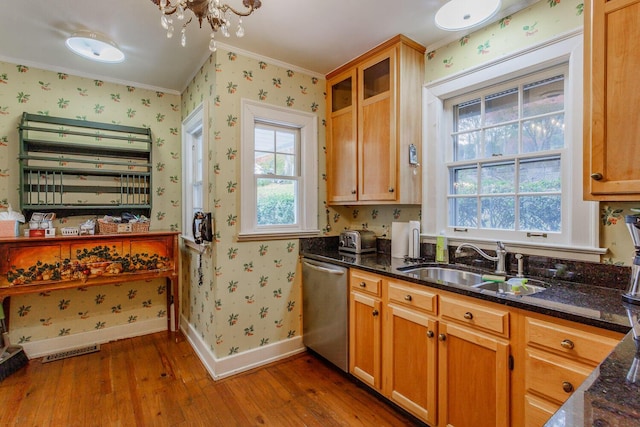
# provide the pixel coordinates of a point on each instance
(155, 380)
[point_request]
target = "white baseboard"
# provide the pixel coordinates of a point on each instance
(230, 365)
(54, 345)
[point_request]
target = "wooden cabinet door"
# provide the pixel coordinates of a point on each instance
(365, 330)
(377, 128)
(342, 127)
(474, 378)
(410, 361)
(612, 128)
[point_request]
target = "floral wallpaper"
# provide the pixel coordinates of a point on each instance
(542, 21)
(22, 88)
(250, 292)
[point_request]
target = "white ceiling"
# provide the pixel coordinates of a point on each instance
(317, 36)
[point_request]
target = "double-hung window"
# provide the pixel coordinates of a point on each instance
(503, 154)
(279, 172)
(506, 152)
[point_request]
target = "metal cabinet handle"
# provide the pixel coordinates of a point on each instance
(430, 334)
(353, 192)
(442, 337)
(375, 312)
(363, 284)
(567, 386)
(568, 344)
(597, 176)
(468, 315)
(391, 190)
(408, 298)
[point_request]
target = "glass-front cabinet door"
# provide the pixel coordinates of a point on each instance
(342, 159)
(377, 128)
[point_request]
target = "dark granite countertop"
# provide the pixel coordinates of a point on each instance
(587, 304)
(611, 394)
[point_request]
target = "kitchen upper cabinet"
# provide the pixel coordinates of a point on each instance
(373, 122)
(611, 109)
(342, 138)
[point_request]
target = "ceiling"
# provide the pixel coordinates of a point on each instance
(316, 36)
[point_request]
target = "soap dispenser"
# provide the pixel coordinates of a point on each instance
(442, 248)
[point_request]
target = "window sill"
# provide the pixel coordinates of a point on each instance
(576, 253)
(250, 237)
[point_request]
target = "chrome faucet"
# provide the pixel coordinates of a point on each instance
(501, 255)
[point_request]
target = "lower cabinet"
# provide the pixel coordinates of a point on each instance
(410, 351)
(558, 357)
(458, 361)
(365, 328)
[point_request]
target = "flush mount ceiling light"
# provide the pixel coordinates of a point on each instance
(213, 11)
(94, 46)
(458, 15)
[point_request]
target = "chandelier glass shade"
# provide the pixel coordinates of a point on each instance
(214, 12)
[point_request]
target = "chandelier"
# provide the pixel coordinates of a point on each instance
(213, 11)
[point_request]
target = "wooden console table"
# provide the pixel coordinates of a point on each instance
(39, 264)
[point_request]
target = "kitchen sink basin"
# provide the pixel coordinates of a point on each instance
(510, 288)
(443, 274)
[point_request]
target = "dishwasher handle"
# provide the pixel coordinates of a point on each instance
(338, 272)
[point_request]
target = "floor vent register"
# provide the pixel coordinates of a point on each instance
(71, 353)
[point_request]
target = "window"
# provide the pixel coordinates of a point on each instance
(507, 144)
(503, 154)
(195, 155)
(279, 172)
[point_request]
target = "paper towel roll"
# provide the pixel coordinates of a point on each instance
(399, 239)
(414, 239)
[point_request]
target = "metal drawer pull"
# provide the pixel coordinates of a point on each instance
(568, 344)
(597, 176)
(442, 337)
(468, 315)
(567, 386)
(408, 298)
(430, 334)
(363, 284)
(375, 312)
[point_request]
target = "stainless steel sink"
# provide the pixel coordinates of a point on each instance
(509, 289)
(443, 274)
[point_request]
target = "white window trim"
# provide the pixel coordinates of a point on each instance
(583, 238)
(308, 205)
(198, 118)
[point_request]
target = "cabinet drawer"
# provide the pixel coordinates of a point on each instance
(412, 296)
(479, 316)
(537, 411)
(365, 282)
(573, 343)
(553, 376)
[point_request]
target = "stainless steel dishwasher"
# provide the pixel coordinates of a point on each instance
(325, 323)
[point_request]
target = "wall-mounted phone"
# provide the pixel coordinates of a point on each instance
(202, 227)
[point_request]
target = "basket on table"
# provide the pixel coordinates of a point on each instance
(107, 227)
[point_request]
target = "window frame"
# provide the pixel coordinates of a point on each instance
(195, 123)
(307, 208)
(515, 159)
(581, 236)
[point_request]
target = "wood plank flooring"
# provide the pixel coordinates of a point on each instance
(157, 380)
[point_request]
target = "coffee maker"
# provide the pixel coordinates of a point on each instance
(633, 292)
